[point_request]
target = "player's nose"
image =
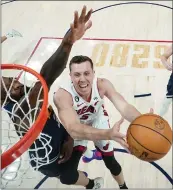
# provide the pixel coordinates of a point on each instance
(82, 78)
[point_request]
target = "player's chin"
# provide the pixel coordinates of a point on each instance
(16, 97)
(84, 89)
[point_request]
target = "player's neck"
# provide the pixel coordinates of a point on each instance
(86, 97)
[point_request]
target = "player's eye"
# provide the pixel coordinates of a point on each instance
(87, 73)
(76, 74)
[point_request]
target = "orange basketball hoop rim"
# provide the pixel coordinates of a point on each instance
(27, 140)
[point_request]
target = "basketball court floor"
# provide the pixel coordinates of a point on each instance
(125, 43)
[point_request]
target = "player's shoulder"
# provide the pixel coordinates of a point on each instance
(62, 96)
(62, 93)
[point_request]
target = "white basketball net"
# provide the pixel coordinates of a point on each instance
(20, 171)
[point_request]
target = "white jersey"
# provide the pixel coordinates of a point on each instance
(87, 111)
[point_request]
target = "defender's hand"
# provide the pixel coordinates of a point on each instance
(80, 25)
(66, 150)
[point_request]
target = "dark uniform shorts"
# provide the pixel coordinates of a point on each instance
(170, 87)
(44, 153)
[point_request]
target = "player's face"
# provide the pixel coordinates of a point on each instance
(16, 90)
(82, 76)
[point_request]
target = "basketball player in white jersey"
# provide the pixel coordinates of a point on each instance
(168, 99)
(80, 104)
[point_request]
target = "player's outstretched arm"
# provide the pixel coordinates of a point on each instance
(128, 111)
(64, 103)
(165, 57)
(56, 64)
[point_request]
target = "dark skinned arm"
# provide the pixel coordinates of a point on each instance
(55, 65)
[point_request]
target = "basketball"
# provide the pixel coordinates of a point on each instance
(149, 137)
